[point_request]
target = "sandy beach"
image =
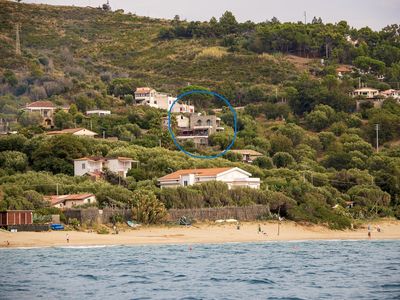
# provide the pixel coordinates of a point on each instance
(199, 233)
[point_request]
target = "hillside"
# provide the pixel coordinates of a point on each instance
(317, 161)
(86, 43)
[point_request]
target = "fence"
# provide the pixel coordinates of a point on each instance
(244, 213)
(92, 216)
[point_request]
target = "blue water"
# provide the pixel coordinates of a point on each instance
(284, 270)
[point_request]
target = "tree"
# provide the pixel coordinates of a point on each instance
(63, 120)
(13, 160)
(228, 23)
(282, 159)
(30, 119)
(367, 64)
(148, 209)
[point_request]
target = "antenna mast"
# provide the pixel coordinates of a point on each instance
(17, 40)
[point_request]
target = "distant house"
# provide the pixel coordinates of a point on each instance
(343, 70)
(94, 166)
(200, 128)
(98, 112)
(74, 131)
(150, 97)
(391, 93)
(15, 217)
(46, 109)
(69, 201)
(248, 155)
(367, 93)
(233, 177)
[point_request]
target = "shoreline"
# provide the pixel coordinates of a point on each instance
(204, 233)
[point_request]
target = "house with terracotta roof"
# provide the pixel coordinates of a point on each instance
(248, 155)
(94, 166)
(395, 94)
(74, 131)
(46, 109)
(70, 201)
(232, 176)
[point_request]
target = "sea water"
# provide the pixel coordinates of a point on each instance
(271, 270)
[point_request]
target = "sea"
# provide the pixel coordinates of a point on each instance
(272, 270)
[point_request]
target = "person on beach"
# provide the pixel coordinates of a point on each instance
(67, 237)
(369, 231)
(238, 226)
(259, 228)
(378, 228)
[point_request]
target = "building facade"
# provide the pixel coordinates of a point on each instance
(150, 97)
(233, 177)
(94, 166)
(46, 109)
(70, 201)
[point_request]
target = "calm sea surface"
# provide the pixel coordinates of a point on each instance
(281, 270)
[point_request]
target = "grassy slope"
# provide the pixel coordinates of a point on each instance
(127, 44)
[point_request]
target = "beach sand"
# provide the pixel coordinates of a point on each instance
(199, 233)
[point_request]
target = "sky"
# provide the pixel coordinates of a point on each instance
(359, 13)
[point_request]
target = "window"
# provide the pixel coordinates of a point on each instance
(83, 166)
(209, 123)
(155, 102)
(185, 183)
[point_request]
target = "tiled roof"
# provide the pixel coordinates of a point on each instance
(142, 90)
(198, 172)
(47, 104)
(57, 199)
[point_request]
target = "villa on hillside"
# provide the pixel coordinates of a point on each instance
(98, 112)
(94, 166)
(248, 155)
(74, 131)
(46, 109)
(200, 128)
(232, 176)
(70, 201)
(367, 93)
(150, 97)
(395, 94)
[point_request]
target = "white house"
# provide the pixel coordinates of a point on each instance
(70, 201)
(94, 166)
(368, 93)
(46, 109)
(150, 97)
(232, 176)
(74, 131)
(99, 112)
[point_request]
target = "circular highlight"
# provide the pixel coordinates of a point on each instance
(206, 93)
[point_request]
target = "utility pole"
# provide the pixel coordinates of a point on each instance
(305, 17)
(104, 134)
(57, 189)
(17, 41)
(377, 137)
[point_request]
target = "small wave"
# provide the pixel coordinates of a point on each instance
(85, 247)
(88, 276)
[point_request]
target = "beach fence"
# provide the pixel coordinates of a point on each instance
(92, 216)
(242, 213)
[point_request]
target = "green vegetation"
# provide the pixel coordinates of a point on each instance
(318, 153)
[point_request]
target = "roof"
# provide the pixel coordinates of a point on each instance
(344, 69)
(67, 131)
(198, 172)
(390, 91)
(57, 199)
(101, 158)
(248, 151)
(143, 90)
(366, 89)
(48, 104)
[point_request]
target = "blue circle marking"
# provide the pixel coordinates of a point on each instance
(206, 93)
